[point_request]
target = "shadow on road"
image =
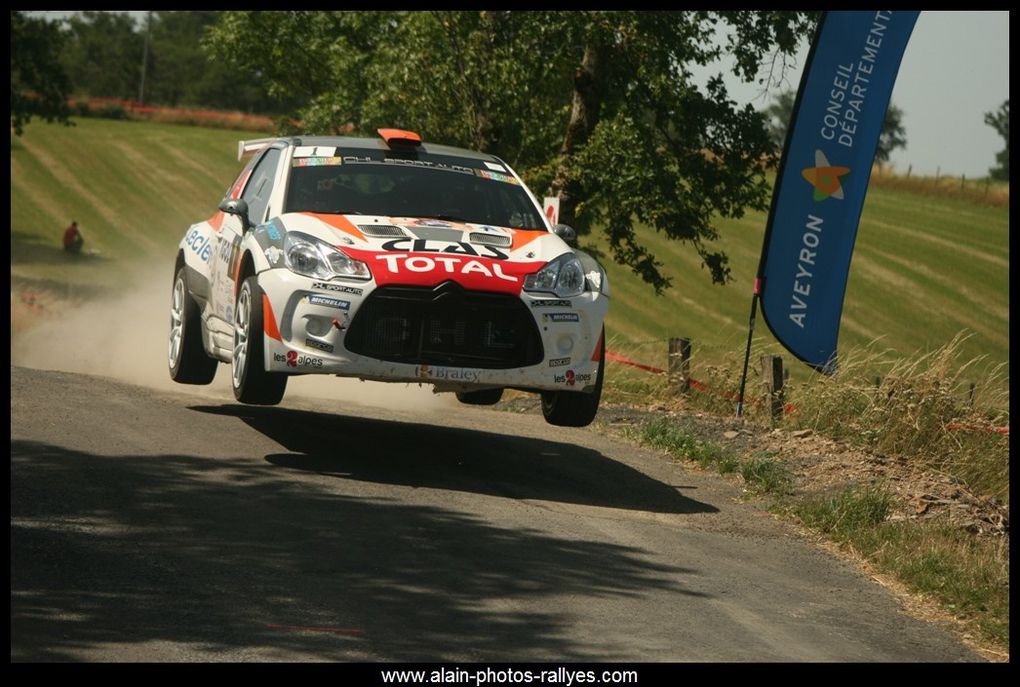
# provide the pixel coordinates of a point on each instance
(421, 455)
(178, 557)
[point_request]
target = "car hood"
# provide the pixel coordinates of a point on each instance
(423, 251)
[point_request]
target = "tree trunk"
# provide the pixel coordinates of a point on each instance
(584, 115)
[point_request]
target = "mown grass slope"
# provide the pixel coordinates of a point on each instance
(925, 267)
(133, 187)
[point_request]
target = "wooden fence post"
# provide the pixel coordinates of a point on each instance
(772, 380)
(680, 362)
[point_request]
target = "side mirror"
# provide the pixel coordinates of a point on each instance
(239, 207)
(566, 233)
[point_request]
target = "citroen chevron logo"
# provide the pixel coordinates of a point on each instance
(825, 178)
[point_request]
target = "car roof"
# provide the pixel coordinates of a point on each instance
(364, 143)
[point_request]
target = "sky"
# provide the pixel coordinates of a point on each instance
(955, 69)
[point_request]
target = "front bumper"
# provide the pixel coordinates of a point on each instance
(308, 323)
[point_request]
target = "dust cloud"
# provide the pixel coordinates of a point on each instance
(125, 338)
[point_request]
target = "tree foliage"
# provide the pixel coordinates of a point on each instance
(104, 54)
(999, 120)
(39, 85)
(599, 107)
(893, 135)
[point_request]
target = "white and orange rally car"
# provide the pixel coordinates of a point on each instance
(393, 260)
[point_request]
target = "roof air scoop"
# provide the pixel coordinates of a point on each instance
(401, 138)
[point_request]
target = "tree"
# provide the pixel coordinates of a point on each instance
(599, 107)
(181, 73)
(893, 135)
(778, 116)
(104, 54)
(39, 85)
(999, 121)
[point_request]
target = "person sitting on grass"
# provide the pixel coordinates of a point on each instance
(73, 239)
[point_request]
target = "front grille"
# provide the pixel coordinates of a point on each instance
(445, 325)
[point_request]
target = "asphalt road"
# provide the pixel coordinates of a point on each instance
(159, 526)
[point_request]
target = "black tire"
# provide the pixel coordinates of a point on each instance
(186, 356)
(485, 397)
(573, 409)
(251, 383)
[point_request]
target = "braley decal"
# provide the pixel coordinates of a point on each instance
(447, 374)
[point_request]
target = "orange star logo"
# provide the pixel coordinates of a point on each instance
(825, 178)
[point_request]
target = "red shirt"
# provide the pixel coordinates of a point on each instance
(71, 234)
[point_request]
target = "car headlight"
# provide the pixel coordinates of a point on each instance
(311, 257)
(563, 276)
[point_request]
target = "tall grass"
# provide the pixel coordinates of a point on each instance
(982, 191)
(920, 408)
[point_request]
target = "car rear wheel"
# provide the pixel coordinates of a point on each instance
(251, 382)
(572, 408)
(485, 397)
(187, 359)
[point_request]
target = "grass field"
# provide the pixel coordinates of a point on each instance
(925, 267)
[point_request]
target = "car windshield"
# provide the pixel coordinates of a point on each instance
(404, 188)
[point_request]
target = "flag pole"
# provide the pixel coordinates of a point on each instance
(747, 349)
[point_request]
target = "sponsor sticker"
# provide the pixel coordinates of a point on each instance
(570, 378)
(294, 359)
(315, 299)
(551, 304)
(451, 374)
(317, 162)
(407, 245)
(558, 362)
(322, 346)
(315, 151)
(398, 263)
(339, 288)
(561, 317)
(496, 176)
(273, 254)
(273, 231)
(199, 243)
(437, 223)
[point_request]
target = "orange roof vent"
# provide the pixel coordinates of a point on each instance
(400, 137)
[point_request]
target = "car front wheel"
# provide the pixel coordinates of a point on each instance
(572, 408)
(251, 382)
(187, 359)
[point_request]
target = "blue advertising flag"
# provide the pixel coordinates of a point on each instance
(823, 176)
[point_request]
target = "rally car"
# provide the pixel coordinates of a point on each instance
(393, 260)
